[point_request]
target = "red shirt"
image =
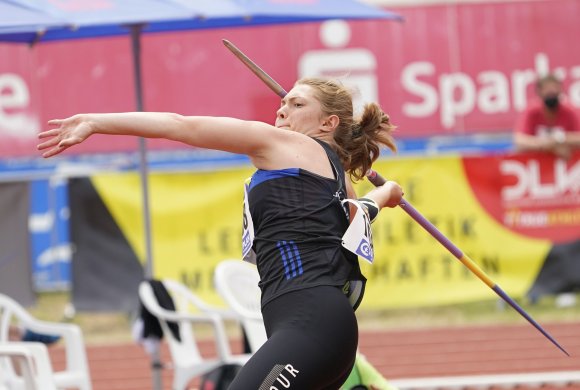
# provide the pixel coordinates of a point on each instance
(535, 122)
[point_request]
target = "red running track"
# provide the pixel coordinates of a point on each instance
(453, 351)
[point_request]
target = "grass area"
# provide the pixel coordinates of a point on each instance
(101, 328)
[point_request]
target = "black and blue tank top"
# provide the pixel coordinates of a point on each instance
(298, 222)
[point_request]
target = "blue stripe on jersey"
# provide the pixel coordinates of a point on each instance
(290, 258)
(282, 252)
(261, 175)
(298, 259)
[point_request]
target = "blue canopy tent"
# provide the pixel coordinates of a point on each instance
(44, 20)
(15, 18)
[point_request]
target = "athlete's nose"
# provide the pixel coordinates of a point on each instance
(281, 114)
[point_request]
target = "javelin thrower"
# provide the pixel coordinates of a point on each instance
(297, 213)
(378, 180)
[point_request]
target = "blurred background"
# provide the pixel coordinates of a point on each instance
(454, 76)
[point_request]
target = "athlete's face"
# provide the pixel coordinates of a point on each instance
(300, 111)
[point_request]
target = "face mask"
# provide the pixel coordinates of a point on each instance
(551, 102)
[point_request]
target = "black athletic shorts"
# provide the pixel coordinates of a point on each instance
(312, 342)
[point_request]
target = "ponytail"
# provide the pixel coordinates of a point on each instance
(357, 141)
(361, 146)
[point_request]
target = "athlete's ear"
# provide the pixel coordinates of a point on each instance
(330, 123)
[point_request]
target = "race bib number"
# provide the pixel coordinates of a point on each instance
(248, 253)
(358, 238)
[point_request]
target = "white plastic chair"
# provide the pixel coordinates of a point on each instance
(237, 283)
(76, 374)
(187, 360)
(33, 370)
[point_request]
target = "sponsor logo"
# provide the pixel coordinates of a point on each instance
(14, 106)
(532, 183)
(280, 377)
(365, 249)
(454, 95)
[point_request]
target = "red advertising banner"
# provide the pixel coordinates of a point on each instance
(447, 69)
(534, 195)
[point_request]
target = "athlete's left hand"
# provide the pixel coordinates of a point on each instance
(387, 195)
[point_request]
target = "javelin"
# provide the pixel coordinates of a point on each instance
(378, 180)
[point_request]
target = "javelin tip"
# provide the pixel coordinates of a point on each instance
(518, 308)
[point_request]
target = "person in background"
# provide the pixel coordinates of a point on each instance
(549, 124)
(301, 215)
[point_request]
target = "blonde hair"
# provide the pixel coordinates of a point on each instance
(357, 140)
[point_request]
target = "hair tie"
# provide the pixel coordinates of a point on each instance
(357, 132)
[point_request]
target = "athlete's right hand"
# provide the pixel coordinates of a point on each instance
(69, 132)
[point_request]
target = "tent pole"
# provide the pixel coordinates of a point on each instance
(156, 364)
(143, 168)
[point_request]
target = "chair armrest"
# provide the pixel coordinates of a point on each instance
(243, 313)
(204, 307)
(169, 315)
(226, 314)
(213, 319)
(34, 362)
(71, 335)
(49, 328)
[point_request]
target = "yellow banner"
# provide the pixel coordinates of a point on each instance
(411, 268)
(196, 222)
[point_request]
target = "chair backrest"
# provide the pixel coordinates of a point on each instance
(237, 283)
(186, 345)
(9, 310)
(25, 366)
(185, 355)
(76, 373)
(189, 309)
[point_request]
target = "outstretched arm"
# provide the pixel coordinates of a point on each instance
(220, 133)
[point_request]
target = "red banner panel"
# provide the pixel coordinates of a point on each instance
(447, 69)
(539, 195)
